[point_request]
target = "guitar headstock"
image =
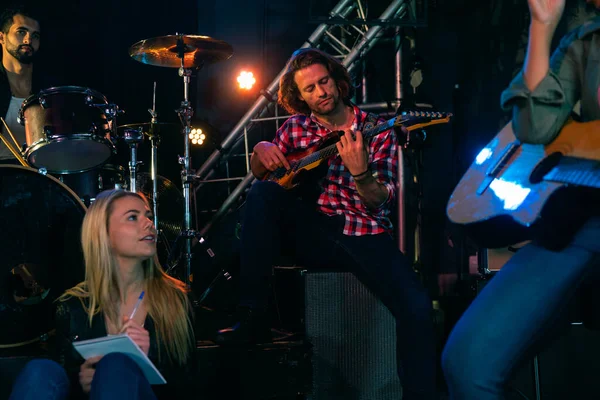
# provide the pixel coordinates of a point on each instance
(416, 119)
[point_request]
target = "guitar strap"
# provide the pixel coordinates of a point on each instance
(370, 122)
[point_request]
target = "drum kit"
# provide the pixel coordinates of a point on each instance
(71, 135)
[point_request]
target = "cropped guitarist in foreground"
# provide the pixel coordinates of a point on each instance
(346, 224)
(524, 305)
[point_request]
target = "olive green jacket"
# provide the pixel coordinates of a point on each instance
(574, 75)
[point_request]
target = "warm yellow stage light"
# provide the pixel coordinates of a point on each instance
(246, 80)
(197, 137)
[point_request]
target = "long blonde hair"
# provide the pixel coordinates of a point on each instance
(166, 297)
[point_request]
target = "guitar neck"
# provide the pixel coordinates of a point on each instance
(575, 171)
(410, 120)
(331, 150)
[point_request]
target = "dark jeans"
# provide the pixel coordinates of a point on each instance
(41, 379)
(117, 377)
(516, 313)
(275, 219)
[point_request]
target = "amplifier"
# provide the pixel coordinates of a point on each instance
(353, 337)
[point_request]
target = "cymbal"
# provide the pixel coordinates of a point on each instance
(145, 127)
(164, 51)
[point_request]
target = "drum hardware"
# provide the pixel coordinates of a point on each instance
(154, 142)
(29, 287)
(157, 188)
(185, 52)
(133, 137)
(185, 113)
(152, 130)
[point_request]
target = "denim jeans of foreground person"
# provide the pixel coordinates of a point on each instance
(516, 314)
(117, 377)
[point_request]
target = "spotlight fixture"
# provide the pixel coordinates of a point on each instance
(197, 137)
(246, 80)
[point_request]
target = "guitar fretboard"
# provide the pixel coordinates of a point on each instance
(576, 171)
(332, 149)
(409, 119)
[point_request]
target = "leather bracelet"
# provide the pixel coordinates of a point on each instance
(361, 174)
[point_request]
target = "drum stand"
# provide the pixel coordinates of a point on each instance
(154, 140)
(133, 137)
(185, 113)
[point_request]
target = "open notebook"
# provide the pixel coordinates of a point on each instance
(120, 344)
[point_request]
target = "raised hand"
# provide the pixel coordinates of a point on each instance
(546, 12)
(137, 333)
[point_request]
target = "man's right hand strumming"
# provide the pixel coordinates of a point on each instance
(267, 156)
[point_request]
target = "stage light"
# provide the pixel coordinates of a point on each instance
(246, 80)
(197, 137)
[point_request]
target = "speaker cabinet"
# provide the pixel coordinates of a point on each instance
(353, 337)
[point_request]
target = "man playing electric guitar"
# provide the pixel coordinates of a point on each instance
(347, 225)
(524, 304)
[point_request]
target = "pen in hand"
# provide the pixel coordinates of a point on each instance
(136, 305)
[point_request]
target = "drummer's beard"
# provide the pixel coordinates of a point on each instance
(23, 58)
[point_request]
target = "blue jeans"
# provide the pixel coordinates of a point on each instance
(515, 314)
(275, 219)
(118, 377)
(41, 379)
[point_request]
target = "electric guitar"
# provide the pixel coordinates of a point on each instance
(510, 183)
(306, 160)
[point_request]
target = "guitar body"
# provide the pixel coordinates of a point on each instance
(503, 194)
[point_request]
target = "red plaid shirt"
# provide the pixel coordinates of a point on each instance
(339, 195)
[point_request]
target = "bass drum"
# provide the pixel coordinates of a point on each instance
(41, 252)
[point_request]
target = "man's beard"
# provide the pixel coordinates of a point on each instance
(23, 58)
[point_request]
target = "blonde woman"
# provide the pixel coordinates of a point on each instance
(119, 247)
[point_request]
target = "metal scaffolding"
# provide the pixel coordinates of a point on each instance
(346, 41)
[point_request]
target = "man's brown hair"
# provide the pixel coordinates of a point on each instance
(289, 93)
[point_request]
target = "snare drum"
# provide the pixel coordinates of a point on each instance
(67, 129)
(41, 251)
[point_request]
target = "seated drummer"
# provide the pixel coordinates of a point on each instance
(20, 40)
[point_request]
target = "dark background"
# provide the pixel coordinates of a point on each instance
(468, 51)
